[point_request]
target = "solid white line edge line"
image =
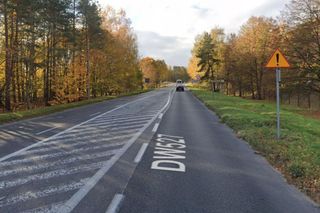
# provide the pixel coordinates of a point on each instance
(115, 203)
(66, 130)
(141, 152)
(81, 193)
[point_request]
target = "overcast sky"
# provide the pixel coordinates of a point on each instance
(166, 29)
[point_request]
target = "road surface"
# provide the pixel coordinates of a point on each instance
(157, 152)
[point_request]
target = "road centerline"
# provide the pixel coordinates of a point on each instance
(155, 128)
(115, 203)
(141, 152)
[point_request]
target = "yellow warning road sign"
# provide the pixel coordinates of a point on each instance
(278, 60)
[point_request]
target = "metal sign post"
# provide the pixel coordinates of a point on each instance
(278, 80)
(278, 60)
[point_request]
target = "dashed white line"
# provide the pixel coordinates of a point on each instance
(155, 128)
(140, 153)
(94, 114)
(115, 203)
(161, 115)
(47, 130)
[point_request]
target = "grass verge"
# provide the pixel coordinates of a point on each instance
(19, 115)
(296, 155)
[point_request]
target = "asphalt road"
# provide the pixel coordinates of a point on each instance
(156, 152)
(196, 164)
(47, 169)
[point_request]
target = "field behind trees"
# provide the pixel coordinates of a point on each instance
(239, 59)
(61, 51)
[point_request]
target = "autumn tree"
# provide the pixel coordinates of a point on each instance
(300, 24)
(60, 51)
(257, 40)
(207, 57)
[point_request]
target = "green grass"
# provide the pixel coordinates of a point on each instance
(19, 115)
(296, 155)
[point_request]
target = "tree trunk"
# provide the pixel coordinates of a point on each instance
(309, 100)
(87, 62)
(8, 71)
(252, 88)
(31, 71)
(13, 44)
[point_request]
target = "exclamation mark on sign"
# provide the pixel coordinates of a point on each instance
(277, 55)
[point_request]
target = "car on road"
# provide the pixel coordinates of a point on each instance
(179, 86)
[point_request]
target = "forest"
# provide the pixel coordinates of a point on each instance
(155, 72)
(239, 58)
(61, 51)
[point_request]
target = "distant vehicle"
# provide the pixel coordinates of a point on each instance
(179, 86)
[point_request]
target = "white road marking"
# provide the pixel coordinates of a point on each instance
(48, 130)
(85, 140)
(102, 125)
(112, 121)
(80, 194)
(46, 209)
(51, 190)
(59, 154)
(115, 203)
(161, 115)
(63, 149)
(122, 120)
(171, 150)
(94, 114)
(89, 129)
(66, 130)
(140, 153)
(109, 119)
(48, 175)
(80, 134)
(155, 128)
(101, 136)
(46, 165)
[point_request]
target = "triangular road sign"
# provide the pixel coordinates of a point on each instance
(278, 60)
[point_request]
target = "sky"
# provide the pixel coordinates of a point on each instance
(166, 29)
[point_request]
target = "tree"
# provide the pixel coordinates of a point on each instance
(257, 39)
(8, 55)
(207, 57)
(181, 73)
(91, 26)
(301, 33)
(58, 51)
